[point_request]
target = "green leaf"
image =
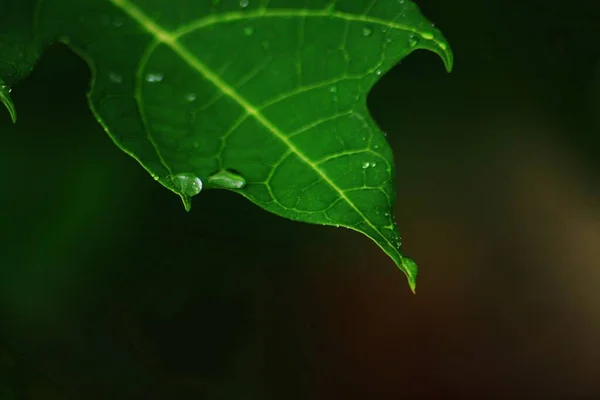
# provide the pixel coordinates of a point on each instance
(7, 101)
(263, 98)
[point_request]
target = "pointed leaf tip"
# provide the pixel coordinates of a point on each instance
(409, 267)
(7, 101)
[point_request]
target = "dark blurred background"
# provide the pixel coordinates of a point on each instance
(109, 290)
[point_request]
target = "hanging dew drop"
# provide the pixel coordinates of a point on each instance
(154, 77)
(187, 184)
(227, 180)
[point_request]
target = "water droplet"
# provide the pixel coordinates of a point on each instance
(115, 78)
(190, 97)
(373, 164)
(367, 31)
(427, 36)
(154, 77)
(188, 184)
(385, 133)
(248, 31)
(244, 3)
(413, 40)
(227, 179)
(378, 71)
(366, 165)
(375, 146)
(333, 89)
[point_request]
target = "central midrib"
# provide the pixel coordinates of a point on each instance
(170, 39)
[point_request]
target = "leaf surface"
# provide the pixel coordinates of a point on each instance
(264, 98)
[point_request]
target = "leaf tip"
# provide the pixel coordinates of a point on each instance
(446, 54)
(449, 60)
(409, 267)
(7, 101)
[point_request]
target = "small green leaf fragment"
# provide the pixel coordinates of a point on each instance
(227, 180)
(7, 101)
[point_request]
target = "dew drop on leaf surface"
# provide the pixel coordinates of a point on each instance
(227, 179)
(154, 77)
(367, 31)
(413, 41)
(188, 184)
(244, 3)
